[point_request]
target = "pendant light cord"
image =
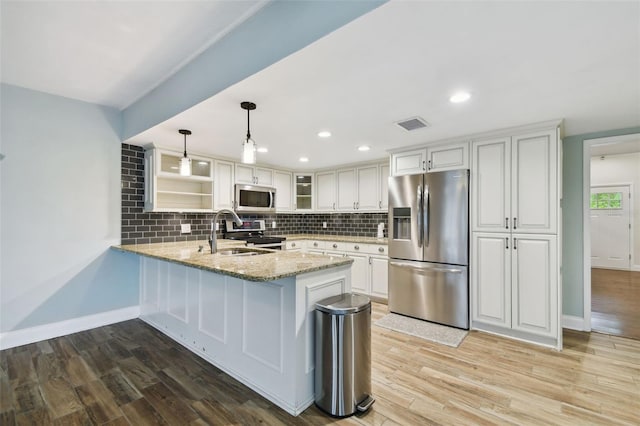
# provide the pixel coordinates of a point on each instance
(185, 145)
(248, 126)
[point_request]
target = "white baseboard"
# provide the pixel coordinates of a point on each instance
(573, 323)
(11, 339)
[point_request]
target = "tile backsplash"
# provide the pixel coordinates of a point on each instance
(139, 227)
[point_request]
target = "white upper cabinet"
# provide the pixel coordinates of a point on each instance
(409, 162)
(326, 191)
(367, 188)
(433, 158)
(514, 183)
(167, 191)
(346, 189)
(534, 182)
(283, 182)
(224, 195)
(448, 157)
(491, 185)
(383, 187)
(357, 189)
(254, 175)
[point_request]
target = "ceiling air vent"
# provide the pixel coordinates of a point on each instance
(414, 123)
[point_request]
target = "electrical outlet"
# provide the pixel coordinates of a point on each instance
(273, 224)
(324, 224)
(217, 226)
(185, 228)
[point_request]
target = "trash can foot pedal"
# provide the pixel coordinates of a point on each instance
(366, 404)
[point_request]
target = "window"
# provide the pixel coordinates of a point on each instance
(606, 200)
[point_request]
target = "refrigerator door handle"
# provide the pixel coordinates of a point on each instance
(426, 267)
(425, 224)
(420, 222)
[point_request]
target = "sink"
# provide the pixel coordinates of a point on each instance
(241, 251)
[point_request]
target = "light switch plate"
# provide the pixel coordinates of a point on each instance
(185, 228)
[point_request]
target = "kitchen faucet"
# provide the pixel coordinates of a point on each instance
(213, 242)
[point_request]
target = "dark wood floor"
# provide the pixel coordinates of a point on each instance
(129, 374)
(615, 302)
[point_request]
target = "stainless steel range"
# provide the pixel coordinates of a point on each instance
(252, 231)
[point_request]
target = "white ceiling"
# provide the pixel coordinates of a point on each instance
(109, 52)
(523, 62)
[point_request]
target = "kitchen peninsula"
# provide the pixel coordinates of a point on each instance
(249, 315)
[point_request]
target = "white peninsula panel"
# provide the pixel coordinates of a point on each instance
(260, 333)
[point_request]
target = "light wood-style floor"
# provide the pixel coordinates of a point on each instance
(129, 374)
(615, 302)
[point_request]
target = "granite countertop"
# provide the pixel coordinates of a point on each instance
(338, 238)
(272, 266)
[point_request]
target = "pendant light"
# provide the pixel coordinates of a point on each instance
(185, 162)
(248, 146)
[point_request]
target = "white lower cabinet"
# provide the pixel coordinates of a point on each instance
(379, 268)
(514, 284)
(369, 271)
(359, 272)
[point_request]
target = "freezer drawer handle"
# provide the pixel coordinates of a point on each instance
(429, 268)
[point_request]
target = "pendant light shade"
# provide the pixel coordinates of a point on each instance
(249, 145)
(185, 162)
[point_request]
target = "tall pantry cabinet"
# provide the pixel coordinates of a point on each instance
(515, 199)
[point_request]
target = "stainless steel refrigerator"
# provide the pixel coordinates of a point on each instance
(429, 246)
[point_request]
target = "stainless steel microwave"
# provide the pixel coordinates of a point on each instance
(253, 198)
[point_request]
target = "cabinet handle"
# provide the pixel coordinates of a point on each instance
(293, 244)
(506, 242)
(334, 206)
(506, 223)
(429, 165)
(358, 205)
(424, 165)
(335, 245)
(356, 247)
(370, 261)
(381, 249)
(515, 247)
(379, 204)
(354, 205)
(315, 244)
(514, 223)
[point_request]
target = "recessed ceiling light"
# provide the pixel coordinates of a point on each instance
(459, 97)
(262, 149)
(304, 160)
(324, 134)
(364, 148)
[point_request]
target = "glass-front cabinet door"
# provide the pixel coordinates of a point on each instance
(303, 191)
(170, 165)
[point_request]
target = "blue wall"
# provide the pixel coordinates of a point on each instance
(60, 211)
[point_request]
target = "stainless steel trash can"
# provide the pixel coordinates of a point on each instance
(343, 354)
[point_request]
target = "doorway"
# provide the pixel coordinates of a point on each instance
(611, 273)
(610, 227)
